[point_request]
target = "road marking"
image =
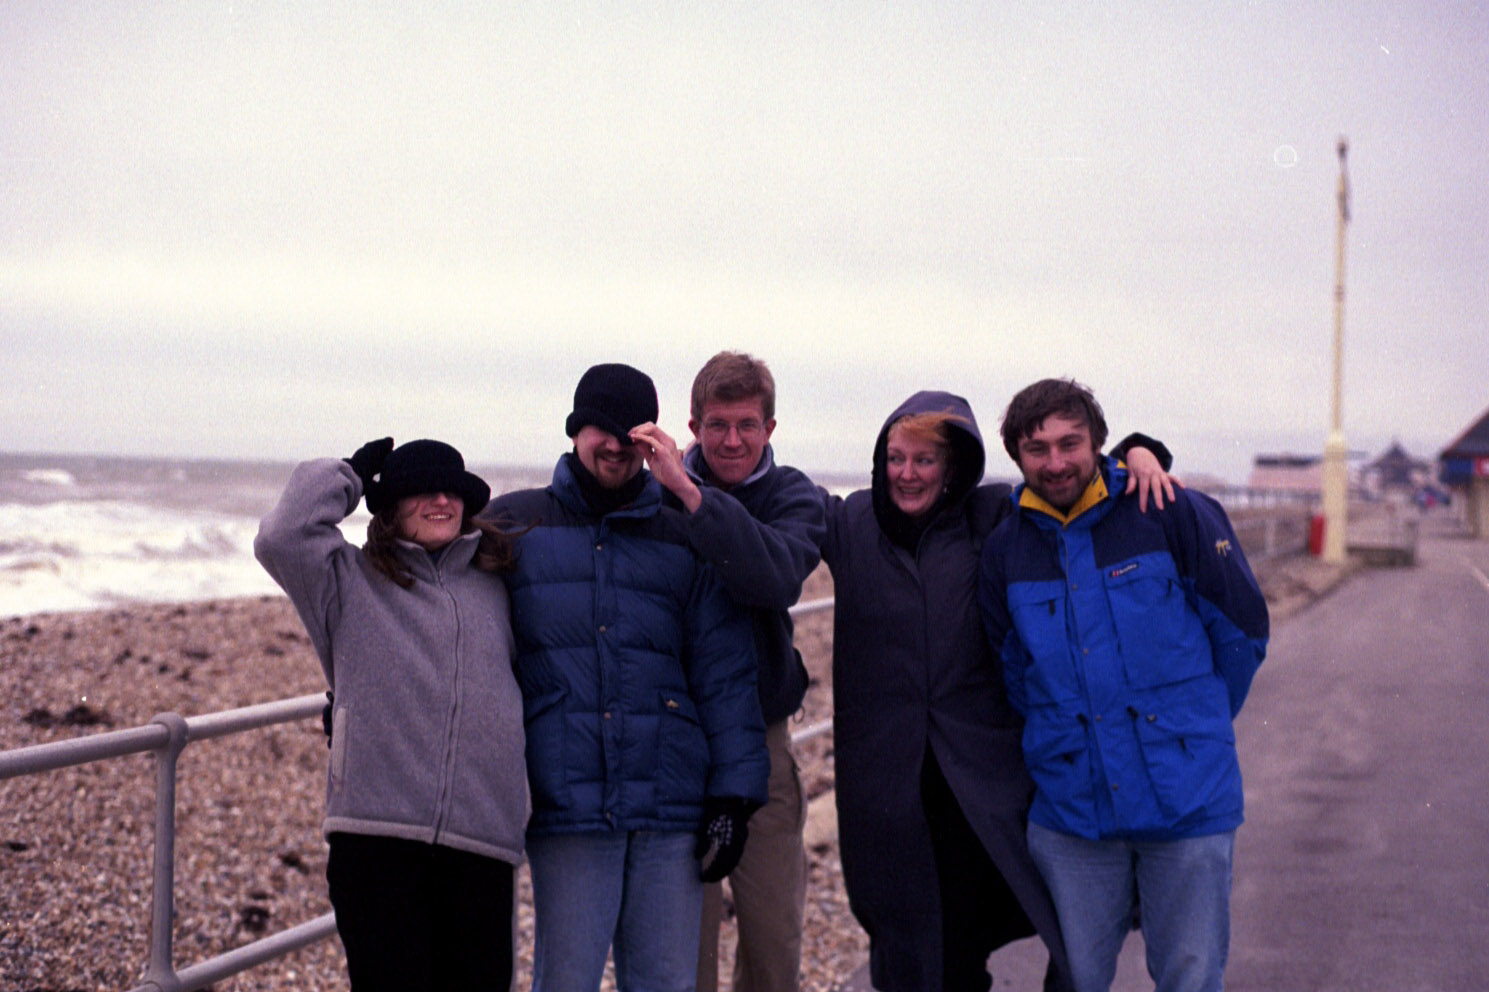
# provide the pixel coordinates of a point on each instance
(1483, 579)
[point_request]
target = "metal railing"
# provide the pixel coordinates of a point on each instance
(1271, 535)
(166, 736)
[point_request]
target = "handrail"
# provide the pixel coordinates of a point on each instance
(811, 606)
(153, 736)
(166, 736)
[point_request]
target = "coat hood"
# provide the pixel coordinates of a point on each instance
(968, 457)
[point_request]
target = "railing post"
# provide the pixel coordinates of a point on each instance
(161, 973)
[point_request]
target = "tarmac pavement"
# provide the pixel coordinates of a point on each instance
(1364, 860)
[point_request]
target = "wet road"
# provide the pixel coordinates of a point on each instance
(1364, 861)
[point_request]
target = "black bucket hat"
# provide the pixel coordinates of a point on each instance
(614, 398)
(425, 466)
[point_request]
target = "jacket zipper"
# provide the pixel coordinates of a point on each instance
(447, 770)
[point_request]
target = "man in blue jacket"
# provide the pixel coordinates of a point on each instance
(645, 748)
(1128, 642)
(760, 525)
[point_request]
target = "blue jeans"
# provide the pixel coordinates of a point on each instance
(638, 892)
(1183, 889)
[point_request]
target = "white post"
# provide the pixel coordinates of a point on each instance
(1335, 473)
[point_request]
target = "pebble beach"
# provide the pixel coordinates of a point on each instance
(76, 844)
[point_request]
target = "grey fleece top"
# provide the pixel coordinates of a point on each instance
(427, 739)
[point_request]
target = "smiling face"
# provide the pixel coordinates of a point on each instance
(430, 520)
(611, 463)
(733, 435)
(1058, 460)
(916, 471)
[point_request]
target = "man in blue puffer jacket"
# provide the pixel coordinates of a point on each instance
(645, 744)
(1128, 642)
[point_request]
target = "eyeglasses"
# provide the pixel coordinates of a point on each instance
(748, 430)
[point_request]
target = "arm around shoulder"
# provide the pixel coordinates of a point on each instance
(761, 561)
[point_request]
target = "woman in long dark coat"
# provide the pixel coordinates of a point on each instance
(932, 793)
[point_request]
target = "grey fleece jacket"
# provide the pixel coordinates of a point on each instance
(427, 739)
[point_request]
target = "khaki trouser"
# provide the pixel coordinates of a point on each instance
(769, 886)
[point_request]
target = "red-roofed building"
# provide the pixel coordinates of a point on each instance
(1287, 474)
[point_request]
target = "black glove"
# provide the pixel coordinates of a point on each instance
(326, 716)
(721, 838)
(368, 461)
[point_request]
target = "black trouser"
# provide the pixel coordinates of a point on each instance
(979, 912)
(418, 917)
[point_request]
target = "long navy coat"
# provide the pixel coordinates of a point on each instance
(912, 670)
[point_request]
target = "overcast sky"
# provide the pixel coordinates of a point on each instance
(258, 229)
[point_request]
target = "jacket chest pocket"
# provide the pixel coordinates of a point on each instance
(1040, 617)
(1161, 637)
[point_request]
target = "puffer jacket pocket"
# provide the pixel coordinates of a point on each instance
(682, 751)
(1039, 614)
(547, 756)
(1191, 772)
(1162, 640)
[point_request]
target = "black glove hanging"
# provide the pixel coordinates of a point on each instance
(721, 837)
(368, 461)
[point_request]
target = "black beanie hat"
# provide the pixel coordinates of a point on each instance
(614, 398)
(420, 467)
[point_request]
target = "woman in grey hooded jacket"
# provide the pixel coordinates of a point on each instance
(426, 796)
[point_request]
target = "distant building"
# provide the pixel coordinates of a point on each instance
(1203, 481)
(1299, 475)
(1463, 466)
(1396, 471)
(1287, 473)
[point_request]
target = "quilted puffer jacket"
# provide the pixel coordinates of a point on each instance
(637, 671)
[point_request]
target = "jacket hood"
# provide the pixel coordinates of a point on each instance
(968, 457)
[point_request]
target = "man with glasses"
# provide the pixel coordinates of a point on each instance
(760, 525)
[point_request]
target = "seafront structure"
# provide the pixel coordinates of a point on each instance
(1464, 467)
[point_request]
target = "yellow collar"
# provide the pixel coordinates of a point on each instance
(1095, 493)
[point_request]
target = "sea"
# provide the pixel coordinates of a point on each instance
(85, 532)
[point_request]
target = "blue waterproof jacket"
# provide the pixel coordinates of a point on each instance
(637, 672)
(1128, 640)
